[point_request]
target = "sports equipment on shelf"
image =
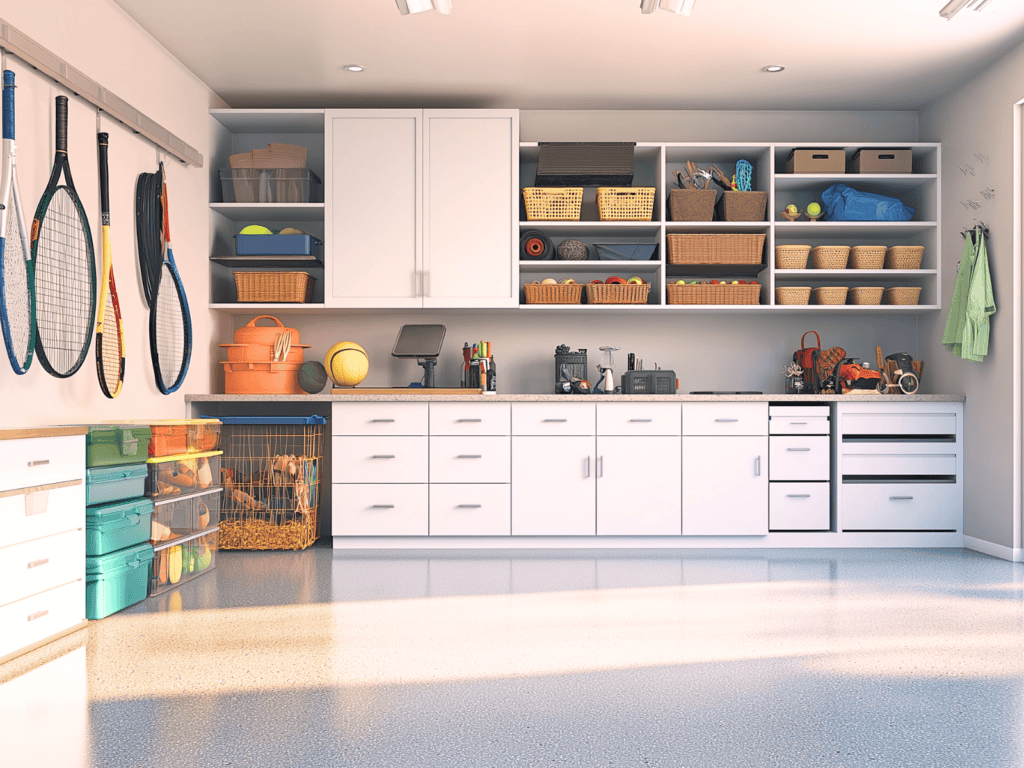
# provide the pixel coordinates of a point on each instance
(109, 330)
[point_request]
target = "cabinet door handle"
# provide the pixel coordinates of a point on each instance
(798, 449)
(640, 421)
(38, 614)
(757, 467)
(382, 421)
(798, 423)
(600, 466)
(468, 421)
(798, 495)
(901, 498)
(469, 506)
(382, 456)
(425, 282)
(383, 506)
(37, 563)
(39, 463)
(586, 464)
(416, 283)
(555, 421)
(726, 420)
(469, 456)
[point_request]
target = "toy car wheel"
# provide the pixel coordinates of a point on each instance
(909, 383)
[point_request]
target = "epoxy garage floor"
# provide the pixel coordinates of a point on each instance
(701, 659)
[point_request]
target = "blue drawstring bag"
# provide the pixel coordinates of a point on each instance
(842, 203)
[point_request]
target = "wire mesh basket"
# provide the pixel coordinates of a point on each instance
(271, 476)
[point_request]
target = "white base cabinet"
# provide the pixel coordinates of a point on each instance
(725, 486)
(639, 486)
(553, 488)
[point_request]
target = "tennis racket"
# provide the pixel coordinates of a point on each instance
(170, 325)
(65, 266)
(16, 275)
(109, 342)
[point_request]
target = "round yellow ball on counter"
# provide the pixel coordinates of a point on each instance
(347, 363)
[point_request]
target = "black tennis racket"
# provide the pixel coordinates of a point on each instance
(170, 324)
(109, 330)
(65, 266)
(16, 273)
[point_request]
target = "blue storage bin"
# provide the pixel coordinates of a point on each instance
(109, 527)
(257, 421)
(278, 245)
(116, 580)
(105, 484)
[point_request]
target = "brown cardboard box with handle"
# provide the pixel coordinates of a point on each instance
(816, 161)
(882, 161)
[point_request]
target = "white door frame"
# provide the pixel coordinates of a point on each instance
(1018, 255)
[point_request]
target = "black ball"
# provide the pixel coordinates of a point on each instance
(312, 377)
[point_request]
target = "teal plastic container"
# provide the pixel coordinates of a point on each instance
(106, 484)
(110, 527)
(117, 580)
(114, 444)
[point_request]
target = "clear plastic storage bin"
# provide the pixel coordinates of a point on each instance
(270, 185)
(177, 517)
(183, 474)
(177, 562)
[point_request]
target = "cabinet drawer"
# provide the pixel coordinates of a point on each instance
(52, 509)
(41, 564)
(38, 617)
(379, 418)
(639, 419)
(379, 459)
(470, 418)
(798, 420)
(41, 460)
(798, 458)
(927, 464)
(725, 418)
(798, 506)
(909, 424)
(470, 510)
(470, 459)
(379, 510)
(553, 419)
(902, 507)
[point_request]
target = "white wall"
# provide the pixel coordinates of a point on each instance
(99, 39)
(978, 119)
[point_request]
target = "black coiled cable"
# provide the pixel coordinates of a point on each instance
(148, 221)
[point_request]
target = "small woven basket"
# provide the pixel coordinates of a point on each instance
(553, 203)
(627, 293)
(742, 206)
(274, 287)
(867, 257)
(553, 294)
(830, 256)
(904, 257)
(793, 294)
(831, 294)
(903, 294)
(691, 205)
(625, 203)
(706, 293)
(865, 295)
(792, 256)
(715, 249)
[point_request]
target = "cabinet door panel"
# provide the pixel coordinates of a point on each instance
(379, 510)
(638, 486)
(553, 488)
(725, 486)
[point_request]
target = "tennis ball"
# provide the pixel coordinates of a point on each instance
(347, 363)
(256, 229)
(813, 209)
(312, 377)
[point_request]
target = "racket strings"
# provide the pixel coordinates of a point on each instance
(17, 296)
(171, 329)
(64, 284)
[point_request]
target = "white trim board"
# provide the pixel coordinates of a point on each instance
(1018, 322)
(1014, 555)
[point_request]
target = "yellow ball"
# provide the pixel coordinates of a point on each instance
(346, 363)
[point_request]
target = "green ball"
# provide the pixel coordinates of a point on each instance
(813, 209)
(312, 377)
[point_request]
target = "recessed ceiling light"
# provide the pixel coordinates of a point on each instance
(353, 68)
(773, 68)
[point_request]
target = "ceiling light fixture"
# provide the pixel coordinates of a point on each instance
(405, 7)
(773, 68)
(684, 7)
(353, 68)
(953, 7)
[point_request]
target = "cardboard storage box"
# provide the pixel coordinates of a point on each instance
(882, 161)
(816, 161)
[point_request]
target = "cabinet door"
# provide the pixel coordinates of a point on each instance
(638, 486)
(470, 208)
(725, 486)
(553, 488)
(373, 208)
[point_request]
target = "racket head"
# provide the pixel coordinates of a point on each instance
(170, 329)
(17, 296)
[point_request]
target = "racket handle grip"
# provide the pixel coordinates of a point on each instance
(8, 104)
(103, 139)
(62, 124)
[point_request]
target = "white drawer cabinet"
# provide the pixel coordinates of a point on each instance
(901, 507)
(799, 506)
(470, 510)
(553, 419)
(725, 419)
(798, 420)
(484, 459)
(798, 457)
(40, 564)
(379, 459)
(879, 421)
(36, 461)
(470, 418)
(32, 513)
(40, 617)
(639, 418)
(379, 419)
(379, 509)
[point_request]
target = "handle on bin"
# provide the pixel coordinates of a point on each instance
(134, 519)
(134, 563)
(252, 322)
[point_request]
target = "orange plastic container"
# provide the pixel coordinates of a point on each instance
(262, 379)
(174, 436)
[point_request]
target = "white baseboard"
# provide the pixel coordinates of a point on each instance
(996, 550)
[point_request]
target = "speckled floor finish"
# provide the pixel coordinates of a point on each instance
(653, 659)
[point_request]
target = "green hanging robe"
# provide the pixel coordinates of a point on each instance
(952, 337)
(981, 304)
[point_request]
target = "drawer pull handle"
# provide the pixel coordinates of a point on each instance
(383, 456)
(901, 498)
(798, 495)
(382, 421)
(640, 421)
(798, 423)
(383, 506)
(726, 420)
(468, 421)
(38, 614)
(469, 506)
(469, 456)
(798, 449)
(555, 421)
(757, 467)
(37, 563)
(39, 463)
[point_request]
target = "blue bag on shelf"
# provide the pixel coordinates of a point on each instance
(843, 203)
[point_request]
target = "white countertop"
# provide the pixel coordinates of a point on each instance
(402, 395)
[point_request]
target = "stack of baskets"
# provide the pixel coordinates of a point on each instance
(833, 257)
(565, 203)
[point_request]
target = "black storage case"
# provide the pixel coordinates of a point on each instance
(649, 383)
(591, 164)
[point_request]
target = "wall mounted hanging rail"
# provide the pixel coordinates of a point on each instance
(17, 44)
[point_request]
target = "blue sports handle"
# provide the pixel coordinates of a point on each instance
(8, 104)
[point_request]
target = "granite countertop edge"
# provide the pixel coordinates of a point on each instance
(399, 397)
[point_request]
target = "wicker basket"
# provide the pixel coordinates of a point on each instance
(867, 257)
(904, 257)
(793, 294)
(537, 293)
(792, 257)
(553, 203)
(691, 205)
(625, 203)
(903, 294)
(742, 206)
(627, 293)
(715, 249)
(865, 295)
(705, 293)
(274, 287)
(832, 294)
(830, 256)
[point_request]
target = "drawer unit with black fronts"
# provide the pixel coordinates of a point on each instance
(799, 468)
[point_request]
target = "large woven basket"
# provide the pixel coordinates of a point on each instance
(865, 295)
(691, 205)
(537, 293)
(792, 294)
(903, 294)
(904, 257)
(867, 257)
(553, 203)
(706, 293)
(830, 256)
(274, 287)
(791, 256)
(625, 203)
(627, 293)
(742, 206)
(715, 249)
(831, 294)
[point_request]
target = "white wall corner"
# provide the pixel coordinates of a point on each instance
(995, 550)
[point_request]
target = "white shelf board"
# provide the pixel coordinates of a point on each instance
(234, 308)
(270, 211)
(270, 120)
(850, 274)
(796, 181)
(724, 227)
(851, 228)
(835, 309)
(589, 265)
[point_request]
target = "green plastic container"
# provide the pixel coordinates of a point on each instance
(110, 527)
(106, 484)
(112, 444)
(115, 581)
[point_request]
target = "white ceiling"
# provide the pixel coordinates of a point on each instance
(582, 54)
